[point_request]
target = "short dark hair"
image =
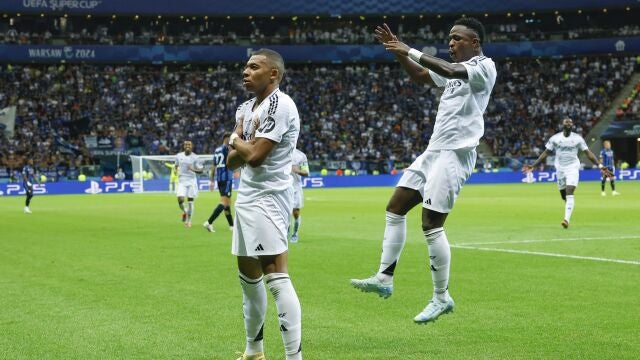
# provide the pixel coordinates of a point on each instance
(473, 24)
(226, 135)
(275, 58)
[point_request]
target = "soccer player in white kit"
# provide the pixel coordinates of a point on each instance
(567, 145)
(300, 169)
(266, 134)
(187, 166)
(436, 177)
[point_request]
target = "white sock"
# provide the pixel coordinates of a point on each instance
(568, 207)
(439, 260)
(181, 205)
(289, 313)
(190, 211)
(395, 235)
(254, 308)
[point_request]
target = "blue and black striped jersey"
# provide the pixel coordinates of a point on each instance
(607, 157)
(29, 173)
(220, 162)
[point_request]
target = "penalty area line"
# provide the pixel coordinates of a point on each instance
(525, 252)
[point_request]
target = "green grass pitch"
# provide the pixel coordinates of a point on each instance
(119, 277)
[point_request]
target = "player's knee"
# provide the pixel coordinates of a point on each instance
(432, 220)
(395, 208)
(431, 224)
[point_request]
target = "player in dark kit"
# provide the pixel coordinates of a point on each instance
(606, 158)
(224, 177)
(28, 178)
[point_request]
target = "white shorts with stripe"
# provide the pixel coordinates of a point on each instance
(260, 228)
(439, 176)
(568, 177)
(187, 189)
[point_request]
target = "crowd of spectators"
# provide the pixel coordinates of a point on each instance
(129, 30)
(349, 112)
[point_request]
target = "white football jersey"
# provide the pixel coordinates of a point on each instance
(184, 161)
(460, 122)
(276, 118)
(567, 149)
(299, 160)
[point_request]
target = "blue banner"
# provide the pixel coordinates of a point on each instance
(114, 187)
(158, 54)
(296, 7)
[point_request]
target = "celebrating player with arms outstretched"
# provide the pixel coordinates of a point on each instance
(436, 177)
(567, 145)
(266, 134)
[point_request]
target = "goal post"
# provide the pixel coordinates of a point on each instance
(156, 170)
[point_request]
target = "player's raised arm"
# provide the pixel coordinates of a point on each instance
(437, 65)
(605, 172)
(417, 73)
(529, 168)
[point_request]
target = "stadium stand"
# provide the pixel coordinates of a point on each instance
(269, 30)
(350, 112)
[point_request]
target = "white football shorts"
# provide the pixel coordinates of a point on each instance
(568, 177)
(260, 227)
(439, 176)
(189, 190)
(298, 197)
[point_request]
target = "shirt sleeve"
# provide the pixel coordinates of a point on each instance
(582, 145)
(478, 72)
(551, 145)
(439, 80)
(274, 122)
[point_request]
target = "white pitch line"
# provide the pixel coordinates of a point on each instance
(631, 262)
(551, 240)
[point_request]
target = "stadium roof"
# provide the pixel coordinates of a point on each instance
(299, 7)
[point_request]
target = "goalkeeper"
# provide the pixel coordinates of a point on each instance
(173, 179)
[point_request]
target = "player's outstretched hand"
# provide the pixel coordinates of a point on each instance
(397, 47)
(527, 168)
(384, 34)
(606, 173)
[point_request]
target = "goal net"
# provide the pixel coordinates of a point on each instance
(153, 172)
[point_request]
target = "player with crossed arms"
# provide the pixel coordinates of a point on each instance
(266, 134)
